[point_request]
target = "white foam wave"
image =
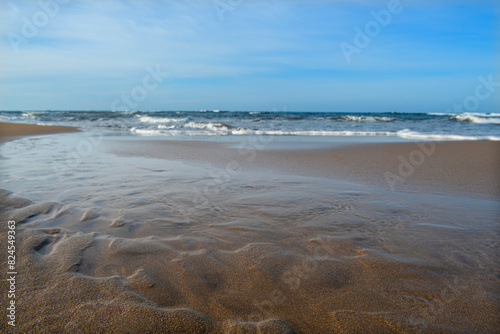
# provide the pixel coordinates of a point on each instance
(217, 131)
(311, 133)
(351, 118)
(173, 133)
(207, 131)
(439, 114)
(477, 118)
(161, 126)
(154, 120)
(29, 115)
(218, 127)
(455, 114)
(431, 136)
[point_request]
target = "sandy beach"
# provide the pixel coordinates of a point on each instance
(463, 167)
(250, 167)
(11, 131)
(201, 237)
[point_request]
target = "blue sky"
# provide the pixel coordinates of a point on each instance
(247, 54)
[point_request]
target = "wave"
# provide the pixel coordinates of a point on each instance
(351, 118)
(174, 133)
(154, 120)
(454, 114)
(161, 126)
(223, 131)
(311, 133)
(435, 126)
(433, 136)
(473, 118)
(30, 114)
(215, 126)
(477, 118)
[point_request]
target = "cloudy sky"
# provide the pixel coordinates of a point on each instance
(316, 55)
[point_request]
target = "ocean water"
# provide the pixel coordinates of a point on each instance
(183, 124)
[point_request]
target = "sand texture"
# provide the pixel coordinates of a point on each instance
(132, 243)
(254, 272)
(11, 131)
(463, 166)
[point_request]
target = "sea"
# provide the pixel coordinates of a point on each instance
(210, 123)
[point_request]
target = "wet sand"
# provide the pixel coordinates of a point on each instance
(191, 237)
(11, 131)
(465, 167)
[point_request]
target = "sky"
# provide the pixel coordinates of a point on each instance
(249, 55)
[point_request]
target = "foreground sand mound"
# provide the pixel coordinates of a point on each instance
(57, 293)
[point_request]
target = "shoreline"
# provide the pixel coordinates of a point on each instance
(118, 243)
(460, 167)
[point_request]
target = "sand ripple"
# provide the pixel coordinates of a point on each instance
(325, 267)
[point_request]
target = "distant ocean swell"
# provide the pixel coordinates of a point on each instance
(433, 126)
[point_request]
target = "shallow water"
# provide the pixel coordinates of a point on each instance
(246, 246)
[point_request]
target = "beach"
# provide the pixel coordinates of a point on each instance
(121, 235)
(11, 131)
(464, 167)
